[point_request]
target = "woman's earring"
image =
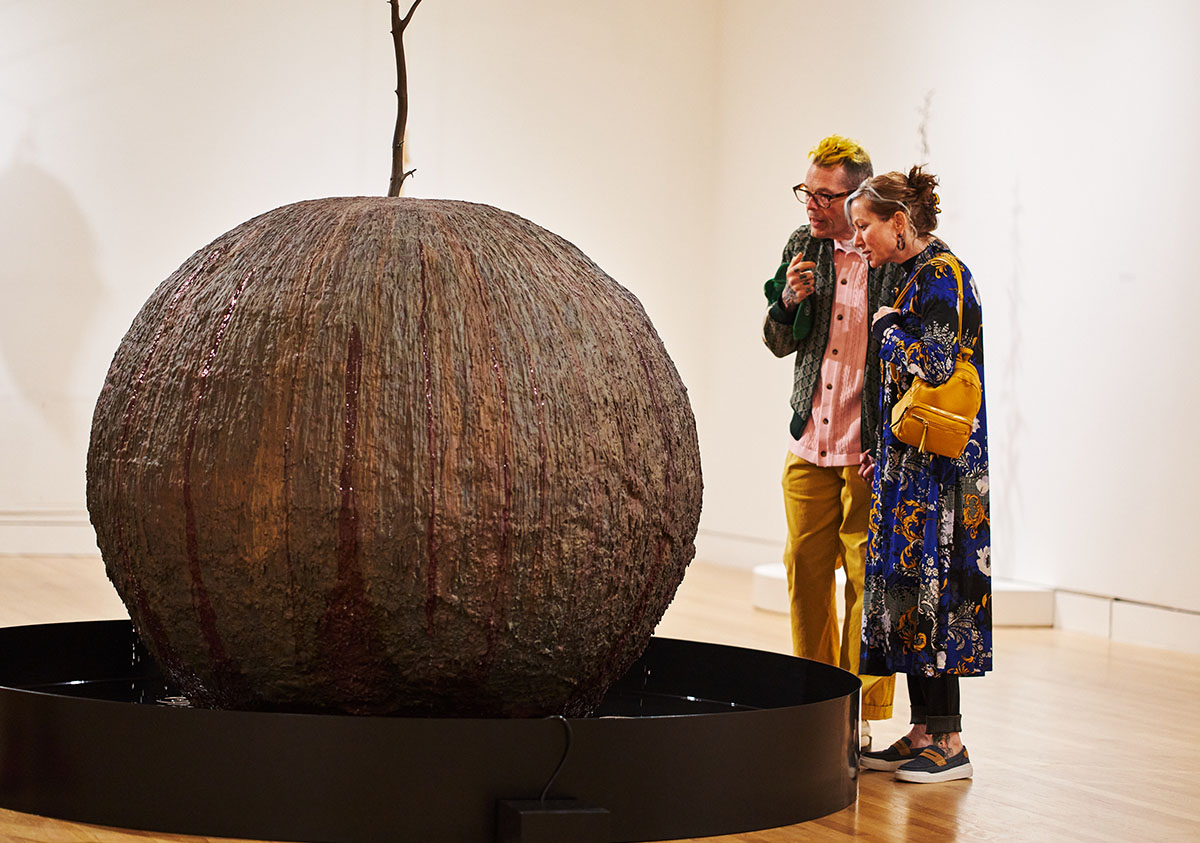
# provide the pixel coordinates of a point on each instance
(900, 241)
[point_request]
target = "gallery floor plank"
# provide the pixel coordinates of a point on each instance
(1072, 737)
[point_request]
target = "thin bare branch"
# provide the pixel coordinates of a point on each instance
(398, 26)
(408, 17)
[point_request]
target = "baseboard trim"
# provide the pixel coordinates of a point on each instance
(46, 532)
(1129, 621)
(1013, 603)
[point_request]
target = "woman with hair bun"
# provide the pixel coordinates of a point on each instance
(927, 596)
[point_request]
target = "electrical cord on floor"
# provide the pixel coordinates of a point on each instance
(566, 750)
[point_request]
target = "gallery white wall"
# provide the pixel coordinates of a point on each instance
(1063, 134)
(662, 138)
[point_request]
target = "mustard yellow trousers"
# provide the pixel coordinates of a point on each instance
(827, 511)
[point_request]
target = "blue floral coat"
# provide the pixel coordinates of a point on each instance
(927, 607)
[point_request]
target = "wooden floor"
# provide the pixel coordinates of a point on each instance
(1072, 737)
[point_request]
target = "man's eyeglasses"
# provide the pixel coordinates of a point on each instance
(823, 199)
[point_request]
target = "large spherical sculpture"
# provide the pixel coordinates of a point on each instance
(394, 456)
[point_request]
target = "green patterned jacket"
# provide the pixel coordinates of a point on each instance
(816, 310)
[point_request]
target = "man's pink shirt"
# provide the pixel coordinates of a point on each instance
(833, 435)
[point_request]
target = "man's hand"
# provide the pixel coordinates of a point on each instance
(800, 282)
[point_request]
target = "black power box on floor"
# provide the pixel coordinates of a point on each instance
(551, 821)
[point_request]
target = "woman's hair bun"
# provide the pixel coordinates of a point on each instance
(923, 187)
(923, 204)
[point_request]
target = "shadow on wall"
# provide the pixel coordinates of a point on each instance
(49, 284)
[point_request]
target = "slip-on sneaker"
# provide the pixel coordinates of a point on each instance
(892, 758)
(933, 765)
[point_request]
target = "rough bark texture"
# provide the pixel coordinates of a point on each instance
(394, 455)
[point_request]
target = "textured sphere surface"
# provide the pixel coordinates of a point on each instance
(394, 456)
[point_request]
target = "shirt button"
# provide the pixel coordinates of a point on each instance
(839, 317)
(843, 282)
(823, 453)
(835, 351)
(824, 421)
(829, 386)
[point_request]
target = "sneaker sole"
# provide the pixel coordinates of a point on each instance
(881, 765)
(962, 771)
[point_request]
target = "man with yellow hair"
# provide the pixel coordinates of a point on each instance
(820, 303)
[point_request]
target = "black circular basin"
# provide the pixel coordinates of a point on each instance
(695, 740)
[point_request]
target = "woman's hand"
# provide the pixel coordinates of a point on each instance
(882, 312)
(800, 281)
(866, 469)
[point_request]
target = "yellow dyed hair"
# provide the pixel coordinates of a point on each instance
(836, 151)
